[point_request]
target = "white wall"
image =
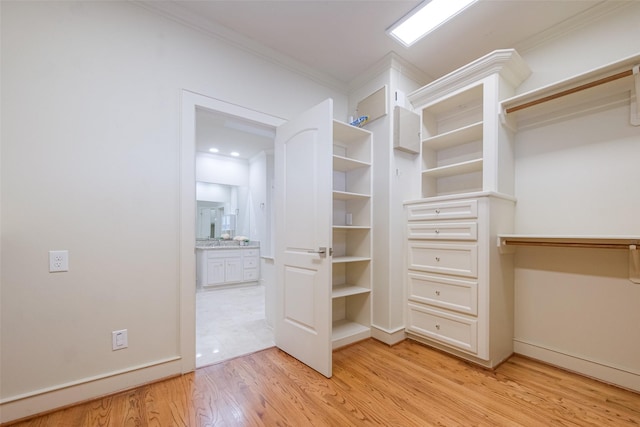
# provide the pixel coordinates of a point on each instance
(90, 140)
(260, 207)
(222, 170)
(576, 307)
(213, 192)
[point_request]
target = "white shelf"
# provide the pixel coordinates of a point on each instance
(568, 240)
(346, 332)
(575, 102)
(346, 133)
(351, 227)
(343, 259)
(454, 169)
(347, 290)
(351, 275)
(344, 195)
(455, 137)
(506, 243)
(346, 164)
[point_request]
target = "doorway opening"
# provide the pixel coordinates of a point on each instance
(229, 319)
(234, 169)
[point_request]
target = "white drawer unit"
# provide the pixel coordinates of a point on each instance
(443, 230)
(250, 262)
(444, 292)
(445, 210)
(459, 290)
(460, 260)
(455, 330)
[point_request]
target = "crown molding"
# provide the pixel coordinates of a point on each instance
(177, 13)
(572, 24)
(505, 62)
(388, 62)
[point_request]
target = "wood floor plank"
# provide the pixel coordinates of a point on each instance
(373, 384)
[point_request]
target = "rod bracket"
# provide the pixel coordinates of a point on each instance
(634, 264)
(635, 96)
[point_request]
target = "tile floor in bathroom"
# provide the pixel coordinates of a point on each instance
(230, 322)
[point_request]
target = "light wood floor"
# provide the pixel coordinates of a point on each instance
(373, 384)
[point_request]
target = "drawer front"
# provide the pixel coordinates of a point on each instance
(449, 329)
(451, 294)
(215, 253)
(250, 262)
(250, 275)
(443, 231)
(251, 252)
(460, 260)
(444, 210)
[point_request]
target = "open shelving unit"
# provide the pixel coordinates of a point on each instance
(452, 147)
(351, 267)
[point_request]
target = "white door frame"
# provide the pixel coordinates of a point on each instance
(187, 263)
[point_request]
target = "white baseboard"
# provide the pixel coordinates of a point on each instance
(624, 378)
(389, 337)
(45, 400)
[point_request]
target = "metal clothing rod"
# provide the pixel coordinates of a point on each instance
(570, 91)
(568, 244)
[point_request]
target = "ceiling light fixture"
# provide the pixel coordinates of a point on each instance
(425, 18)
(213, 150)
(235, 153)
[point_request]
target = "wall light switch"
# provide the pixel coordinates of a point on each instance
(58, 261)
(119, 339)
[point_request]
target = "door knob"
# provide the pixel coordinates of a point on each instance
(322, 251)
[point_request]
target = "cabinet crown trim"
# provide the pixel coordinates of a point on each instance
(506, 62)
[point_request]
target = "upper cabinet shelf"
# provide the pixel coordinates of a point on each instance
(461, 138)
(612, 84)
(454, 169)
(455, 137)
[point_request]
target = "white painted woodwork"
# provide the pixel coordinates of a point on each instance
(303, 159)
(622, 91)
(217, 267)
(352, 234)
(459, 286)
(464, 147)
(460, 293)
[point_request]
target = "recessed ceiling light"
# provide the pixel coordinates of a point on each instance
(235, 153)
(426, 18)
(213, 150)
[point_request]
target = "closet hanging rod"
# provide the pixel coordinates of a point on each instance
(566, 92)
(510, 242)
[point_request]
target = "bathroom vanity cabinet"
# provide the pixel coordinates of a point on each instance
(226, 265)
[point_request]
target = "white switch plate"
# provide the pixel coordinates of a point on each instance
(58, 261)
(119, 339)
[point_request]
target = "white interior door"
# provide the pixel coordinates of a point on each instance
(303, 203)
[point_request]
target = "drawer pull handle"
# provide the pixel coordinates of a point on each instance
(438, 293)
(437, 231)
(437, 326)
(438, 258)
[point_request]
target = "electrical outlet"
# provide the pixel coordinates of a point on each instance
(58, 261)
(119, 340)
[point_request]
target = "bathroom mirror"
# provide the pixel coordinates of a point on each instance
(221, 209)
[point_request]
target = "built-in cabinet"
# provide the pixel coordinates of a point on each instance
(351, 237)
(459, 288)
(219, 267)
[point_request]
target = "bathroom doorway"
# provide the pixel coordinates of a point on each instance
(234, 165)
